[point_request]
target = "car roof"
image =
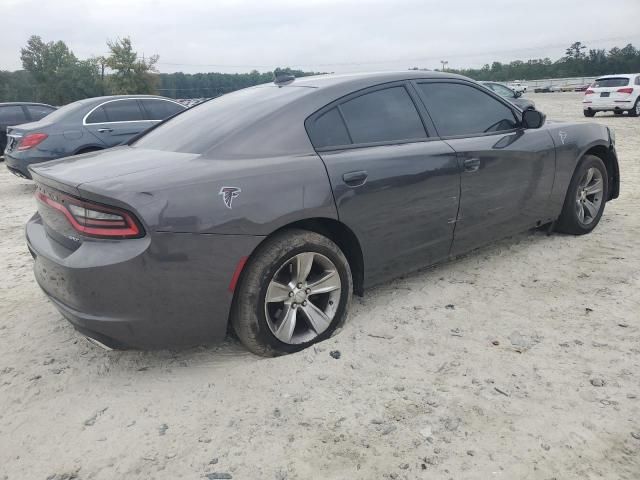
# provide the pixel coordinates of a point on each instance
(374, 78)
(5, 104)
(622, 75)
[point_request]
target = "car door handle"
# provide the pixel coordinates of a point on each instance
(471, 164)
(355, 179)
(105, 130)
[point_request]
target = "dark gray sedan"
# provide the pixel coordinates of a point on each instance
(511, 95)
(266, 208)
(84, 126)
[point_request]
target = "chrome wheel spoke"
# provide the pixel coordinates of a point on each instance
(284, 331)
(581, 212)
(587, 179)
(595, 187)
(302, 298)
(318, 320)
(591, 208)
(328, 283)
(277, 292)
(304, 262)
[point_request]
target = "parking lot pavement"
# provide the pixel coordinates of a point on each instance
(517, 361)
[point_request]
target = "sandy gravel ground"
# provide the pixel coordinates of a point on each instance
(519, 361)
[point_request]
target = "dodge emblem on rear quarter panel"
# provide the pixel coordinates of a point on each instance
(228, 194)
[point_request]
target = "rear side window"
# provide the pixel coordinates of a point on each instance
(160, 109)
(12, 115)
(97, 116)
(383, 116)
(329, 130)
(611, 82)
(638, 80)
(458, 109)
(38, 112)
(123, 111)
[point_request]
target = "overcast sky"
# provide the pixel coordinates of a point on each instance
(321, 35)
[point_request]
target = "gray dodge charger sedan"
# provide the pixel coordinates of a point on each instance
(264, 209)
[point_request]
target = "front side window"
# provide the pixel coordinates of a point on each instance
(459, 109)
(12, 115)
(387, 115)
(161, 109)
(123, 111)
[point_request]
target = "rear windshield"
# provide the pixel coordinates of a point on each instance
(203, 126)
(611, 82)
(63, 112)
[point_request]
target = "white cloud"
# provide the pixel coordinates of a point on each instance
(325, 35)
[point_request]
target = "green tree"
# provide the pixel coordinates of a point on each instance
(130, 74)
(576, 51)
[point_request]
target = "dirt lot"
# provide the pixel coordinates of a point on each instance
(519, 361)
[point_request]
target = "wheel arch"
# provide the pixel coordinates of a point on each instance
(87, 149)
(608, 157)
(338, 233)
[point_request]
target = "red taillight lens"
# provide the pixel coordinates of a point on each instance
(625, 90)
(589, 92)
(92, 219)
(31, 140)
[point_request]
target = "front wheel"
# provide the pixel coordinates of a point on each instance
(295, 291)
(586, 197)
(589, 113)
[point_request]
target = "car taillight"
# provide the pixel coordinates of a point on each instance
(31, 140)
(625, 90)
(93, 219)
(589, 92)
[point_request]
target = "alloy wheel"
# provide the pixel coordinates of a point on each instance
(589, 196)
(302, 298)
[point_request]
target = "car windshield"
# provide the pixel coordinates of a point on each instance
(611, 82)
(201, 127)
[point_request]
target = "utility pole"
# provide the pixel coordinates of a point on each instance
(444, 65)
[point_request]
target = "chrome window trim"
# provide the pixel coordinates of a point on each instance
(84, 119)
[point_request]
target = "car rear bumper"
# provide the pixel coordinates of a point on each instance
(19, 165)
(163, 290)
(609, 105)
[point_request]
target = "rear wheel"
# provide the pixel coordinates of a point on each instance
(635, 111)
(586, 197)
(618, 112)
(294, 292)
(589, 113)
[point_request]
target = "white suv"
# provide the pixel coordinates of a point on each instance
(613, 93)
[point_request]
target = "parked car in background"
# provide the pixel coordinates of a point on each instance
(267, 207)
(15, 113)
(613, 93)
(84, 126)
(517, 86)
(543, 89)
(511, 95)
(582, 88)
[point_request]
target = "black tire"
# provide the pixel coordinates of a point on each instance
(618, 112)
(248, 317)
(569, 221)
(589, 113)
(634, 111)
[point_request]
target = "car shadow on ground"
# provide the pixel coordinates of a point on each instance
(232, 351)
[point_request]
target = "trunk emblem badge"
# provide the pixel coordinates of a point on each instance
(228, 194)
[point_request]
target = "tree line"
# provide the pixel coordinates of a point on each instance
(578, 61)
(53, 74)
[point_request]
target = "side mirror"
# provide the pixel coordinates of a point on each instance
(532, 118)
(517, 94)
